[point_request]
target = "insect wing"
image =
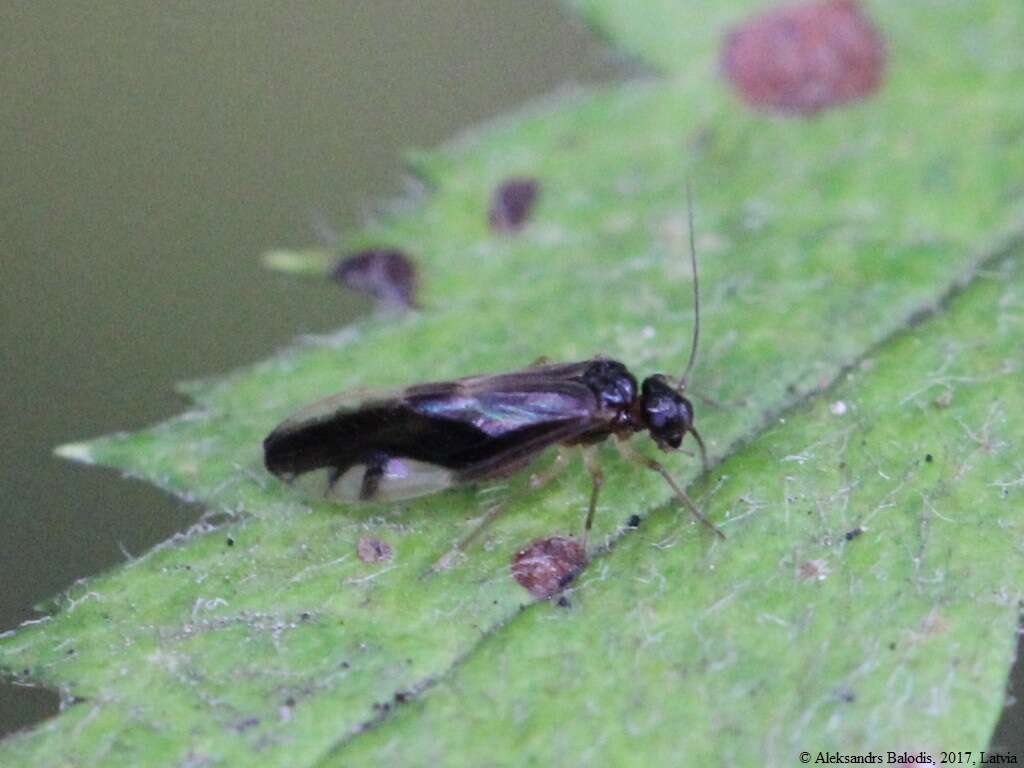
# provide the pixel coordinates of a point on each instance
(538, 377)
(350, 401)
(312, 437)
(505, 405)
(430, 436)
(514, 418)
(336, 405)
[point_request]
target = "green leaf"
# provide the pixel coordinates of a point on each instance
(867, 599)
(265, 638)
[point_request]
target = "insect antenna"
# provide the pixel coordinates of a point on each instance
(696, 289)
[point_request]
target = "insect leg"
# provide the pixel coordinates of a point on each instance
(557, 467)
(632, 454)
(703, 451)
(372, 476)
(597, 478)
(333, 476)
(536, 483)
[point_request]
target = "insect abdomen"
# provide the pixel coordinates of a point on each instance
(354, 437)
(395, 480)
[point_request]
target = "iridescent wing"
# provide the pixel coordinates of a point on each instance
(432, 436)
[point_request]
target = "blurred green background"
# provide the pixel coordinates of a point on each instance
(151, 152)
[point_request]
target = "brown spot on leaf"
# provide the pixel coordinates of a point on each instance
(548, 566)
(373, 550)
(384, 273)
(512, 203)
(813, 570)
(805, 58)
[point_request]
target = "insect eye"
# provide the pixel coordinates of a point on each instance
(667, 414)
(663, 417)
(660, 413)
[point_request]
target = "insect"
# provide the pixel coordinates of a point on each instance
(431, 437)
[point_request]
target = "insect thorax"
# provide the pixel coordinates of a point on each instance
(612, 384)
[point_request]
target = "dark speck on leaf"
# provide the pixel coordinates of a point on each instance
(563, 602)
(512, 204)
(290, 701)
(384, 273)
(853, 534)
(548, 566)
(246, 724)
(806, 57)
(305, 616)
(634, 521)
(230, 542)
(928, 458)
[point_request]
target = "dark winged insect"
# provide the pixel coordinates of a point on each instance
(431, 437)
